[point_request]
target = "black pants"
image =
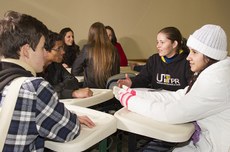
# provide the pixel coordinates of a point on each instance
(158, 146)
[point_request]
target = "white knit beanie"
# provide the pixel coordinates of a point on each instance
(209, 40)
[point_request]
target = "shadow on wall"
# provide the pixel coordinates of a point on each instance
(81, 43)
(131, 48)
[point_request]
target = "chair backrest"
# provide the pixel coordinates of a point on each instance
(7, 109)
(112, 81)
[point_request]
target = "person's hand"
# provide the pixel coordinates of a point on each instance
(123, 94)
(85, 120)
(127, 81)
(82, 93)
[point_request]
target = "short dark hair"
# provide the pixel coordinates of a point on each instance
(18, 29)
(51, 38)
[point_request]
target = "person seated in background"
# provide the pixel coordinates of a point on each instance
(64, 83)
(136, 67)
(38, 115)
(168, 69)
(99, 59)
(71, 49)
(112, 36)
(205, 102)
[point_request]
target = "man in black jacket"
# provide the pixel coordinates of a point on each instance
(64, 83)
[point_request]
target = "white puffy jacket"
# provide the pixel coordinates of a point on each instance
(208, 103)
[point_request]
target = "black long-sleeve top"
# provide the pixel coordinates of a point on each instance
(83, 64)
(159, 74)
(71, 53)
(64, 83)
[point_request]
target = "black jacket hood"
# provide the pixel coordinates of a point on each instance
(10, 71)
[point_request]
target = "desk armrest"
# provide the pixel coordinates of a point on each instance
(99, 96)
(138, 124)
(105, 126)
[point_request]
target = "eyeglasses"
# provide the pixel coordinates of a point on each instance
(60, 48)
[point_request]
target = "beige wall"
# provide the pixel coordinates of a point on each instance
(136, 22)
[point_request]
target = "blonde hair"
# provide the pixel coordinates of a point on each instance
(102, 53)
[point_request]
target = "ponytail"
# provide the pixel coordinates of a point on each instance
(184, 46)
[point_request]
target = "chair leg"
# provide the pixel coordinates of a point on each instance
(119, 141)
(132, 142)
(103, 145)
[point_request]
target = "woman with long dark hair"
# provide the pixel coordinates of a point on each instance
(113, 39)
(71, 49)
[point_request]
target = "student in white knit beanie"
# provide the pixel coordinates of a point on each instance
(205, 102)
(209, 40)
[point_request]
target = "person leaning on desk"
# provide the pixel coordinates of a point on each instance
(38, 115)
(168, 69)
(64, 83)
(206, 101)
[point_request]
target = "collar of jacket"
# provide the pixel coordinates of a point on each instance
(163, 58)
(20, 63)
